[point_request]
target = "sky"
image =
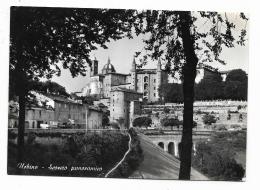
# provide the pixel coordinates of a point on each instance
(121, 54)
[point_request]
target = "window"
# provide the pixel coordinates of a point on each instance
(146, 79)
(40, 113)
(145, 86)
(154, 94)
(154, 80)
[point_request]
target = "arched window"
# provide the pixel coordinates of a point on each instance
(146, 79)
(145, 86)
(161, 144)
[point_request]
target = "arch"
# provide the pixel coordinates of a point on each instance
(161, 144)
(146, 79)
(145, 86)
(171, 148)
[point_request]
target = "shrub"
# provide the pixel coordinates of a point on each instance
(142, 121)
(170, 122)
(166, 110)
(208, 119)
(216, 158)
(31, 138)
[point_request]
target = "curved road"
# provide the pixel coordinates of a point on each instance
(158, 164)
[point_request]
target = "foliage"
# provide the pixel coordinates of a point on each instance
(216, 158)
(208, 119)
(102, 150)
(88, 100)
(132, 160)
(49, 87)
(171, 92)
(142, 121)
(170, 122)
(237, 75)
(235, 90)
(209, 88)
(44, 40)
(166, 110)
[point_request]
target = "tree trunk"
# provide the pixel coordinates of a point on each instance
(189, 74)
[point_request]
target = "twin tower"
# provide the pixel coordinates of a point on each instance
(145, 81)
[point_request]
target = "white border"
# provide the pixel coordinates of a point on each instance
(39, 183)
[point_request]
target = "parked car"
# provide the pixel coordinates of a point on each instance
(44, 126)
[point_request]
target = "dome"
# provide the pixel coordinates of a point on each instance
(108, 68)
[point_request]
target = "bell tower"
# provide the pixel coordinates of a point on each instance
(133, 76)
(94, 67)
(158, 77)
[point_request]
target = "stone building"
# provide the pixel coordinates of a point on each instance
(121, 99)
(145, 81)
(57, 110)
(204, 71)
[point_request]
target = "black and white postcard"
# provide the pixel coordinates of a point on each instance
(128, 93)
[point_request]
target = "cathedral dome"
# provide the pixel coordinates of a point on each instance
(108, 68)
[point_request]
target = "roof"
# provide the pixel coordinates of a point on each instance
(61, 99)
(149, 71)
(125, 90)
(114, 73)
(95, 109)
(121, 84)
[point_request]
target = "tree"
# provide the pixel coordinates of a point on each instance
(171, 92)
(209, 88)
(235, 90)
(142, 121)
(166, 110)
(176, 38)
(237, 75)
(208, 119)
(236, 85)
(165, 122)
(42, 40)
(49, 87)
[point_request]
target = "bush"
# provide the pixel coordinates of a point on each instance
(170, 122)
(216, 158)
(208, 119)
(166, 110)
(142, 121)
(132, 160)
(90, 149)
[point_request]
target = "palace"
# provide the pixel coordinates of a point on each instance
(144, 81)
(122, 93)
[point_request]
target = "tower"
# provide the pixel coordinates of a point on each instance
(133, 76)
(158, 77)
(94, 67)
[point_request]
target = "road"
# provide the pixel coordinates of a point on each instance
(158, 164)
